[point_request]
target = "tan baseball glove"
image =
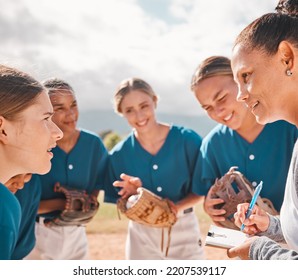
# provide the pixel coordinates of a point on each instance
(241, 193)
(148, 209)
(80, 208)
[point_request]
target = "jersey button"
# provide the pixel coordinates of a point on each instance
(254, 184)
(251, 157)
(155, 166)
(70, 166)
(159, 189)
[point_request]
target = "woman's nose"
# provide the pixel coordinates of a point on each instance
(242, 94)
(57, 132)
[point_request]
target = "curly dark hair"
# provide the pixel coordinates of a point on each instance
(288, 7)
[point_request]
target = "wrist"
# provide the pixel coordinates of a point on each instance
(267, 223)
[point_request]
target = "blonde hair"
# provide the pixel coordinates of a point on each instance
(211, 66)
(128, 85)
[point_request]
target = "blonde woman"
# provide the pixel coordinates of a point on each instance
(163, 157)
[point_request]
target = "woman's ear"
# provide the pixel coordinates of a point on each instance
(3, 135)
(286, 52)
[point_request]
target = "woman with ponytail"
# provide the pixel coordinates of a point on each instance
(265, 66)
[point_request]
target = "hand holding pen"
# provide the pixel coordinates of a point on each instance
(252, 203)
(258, 221)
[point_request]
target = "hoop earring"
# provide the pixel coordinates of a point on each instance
(289, 72)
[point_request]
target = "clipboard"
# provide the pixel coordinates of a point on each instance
(224, 237)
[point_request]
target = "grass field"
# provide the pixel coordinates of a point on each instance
(107, 219)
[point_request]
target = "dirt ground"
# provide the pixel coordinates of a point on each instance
(106, 245)
(112, 246)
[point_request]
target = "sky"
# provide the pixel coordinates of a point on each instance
(95, 44)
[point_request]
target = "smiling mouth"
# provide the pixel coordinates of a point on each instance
(227, 118)
(254, 106)
(70, 123)
(142, 123)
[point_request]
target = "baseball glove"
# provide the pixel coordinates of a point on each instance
(241, 192)
(148, 209)
(80, 208)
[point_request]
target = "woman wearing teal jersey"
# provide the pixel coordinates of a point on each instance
(163, 157)
(238, 140)
(79, 163)
(27, 135)
(27, 190)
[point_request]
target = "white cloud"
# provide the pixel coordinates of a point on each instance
(181, 8)
(95, 44)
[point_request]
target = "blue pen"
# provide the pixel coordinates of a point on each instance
(253, 202)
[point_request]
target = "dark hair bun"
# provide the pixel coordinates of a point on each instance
(287, 7)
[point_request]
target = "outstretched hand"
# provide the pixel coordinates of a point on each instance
(129, 185)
